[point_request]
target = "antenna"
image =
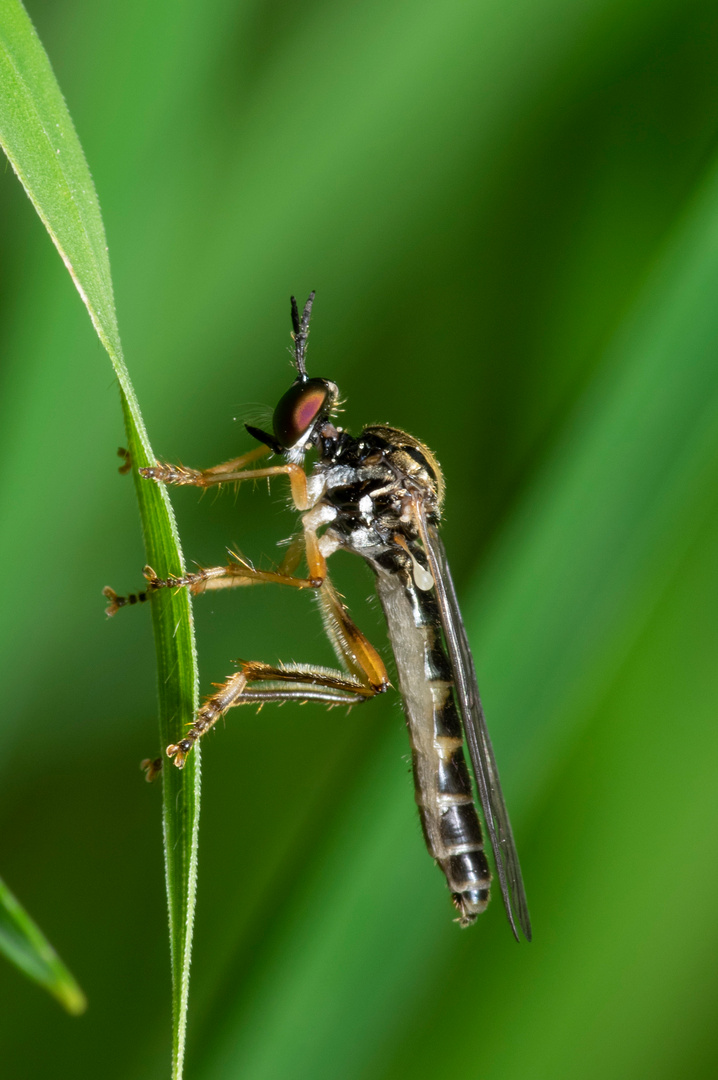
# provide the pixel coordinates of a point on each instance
(301, 333)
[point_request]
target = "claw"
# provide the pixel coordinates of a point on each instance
(126, 460)
(179, 752)
(116, 602)
(152, 768)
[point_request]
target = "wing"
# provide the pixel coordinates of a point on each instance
(477, 737)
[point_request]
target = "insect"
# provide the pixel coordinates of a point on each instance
(378, 494)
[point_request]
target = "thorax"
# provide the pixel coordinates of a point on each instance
(366, 485)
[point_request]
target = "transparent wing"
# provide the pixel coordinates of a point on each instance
(477, 737)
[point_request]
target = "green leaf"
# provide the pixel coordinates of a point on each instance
(40, 141)
(22, 941)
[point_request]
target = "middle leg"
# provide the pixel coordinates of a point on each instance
(232, 575)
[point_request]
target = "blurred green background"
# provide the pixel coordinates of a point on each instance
(509, 211)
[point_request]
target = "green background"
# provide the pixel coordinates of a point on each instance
(509, 211)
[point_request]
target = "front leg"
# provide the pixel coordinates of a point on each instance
(180, 475)
(233, 472)
(240, 572)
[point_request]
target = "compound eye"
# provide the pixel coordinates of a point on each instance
(300, 407)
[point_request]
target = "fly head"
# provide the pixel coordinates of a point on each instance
(301, 417)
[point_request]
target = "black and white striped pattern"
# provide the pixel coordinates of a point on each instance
(449, 818)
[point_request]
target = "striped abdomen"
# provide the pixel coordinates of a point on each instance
(443, 787)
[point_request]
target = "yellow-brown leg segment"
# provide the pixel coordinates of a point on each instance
(240, 572)
(293, 555)
(353, 650)
(180, 475)
(231, 576)
(233, 472)
(211, 578)
(208, 579)
(256, 682)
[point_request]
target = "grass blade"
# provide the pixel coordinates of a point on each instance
(25, 945)
(40, 141)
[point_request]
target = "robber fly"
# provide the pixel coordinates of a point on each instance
(380, 495)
